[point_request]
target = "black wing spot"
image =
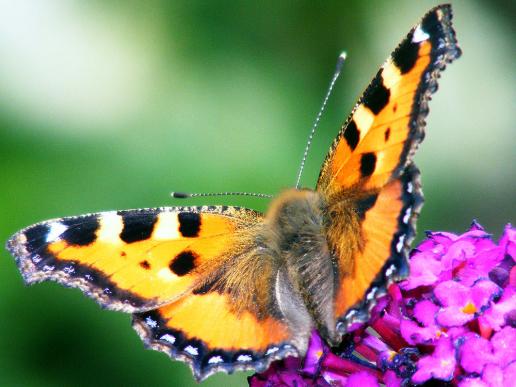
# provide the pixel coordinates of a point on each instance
(36, 236)
(137, 227)
(405, 56)
(80, 231)
(183, 263)
(189, 224)
(387, 134)
(367, 164)
(352, 135)
(365, 204)
(145, 264)
(432, 25)
(376, 96)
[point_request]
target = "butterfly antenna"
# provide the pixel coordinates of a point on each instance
(340, 62)
(184, 195)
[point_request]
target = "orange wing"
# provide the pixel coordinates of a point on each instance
(383, 131)
(368, 179)
(133, 260)
(385, 226)
(210, 332)
(201, 267)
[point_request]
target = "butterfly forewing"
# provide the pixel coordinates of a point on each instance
(133, 260)
(385, 127)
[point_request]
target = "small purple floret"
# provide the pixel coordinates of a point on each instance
(439, 365)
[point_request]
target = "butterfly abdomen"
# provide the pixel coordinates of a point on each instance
(297, 237)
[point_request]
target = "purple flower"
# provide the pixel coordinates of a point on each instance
(460, 304)
(440, 364)
(452, 320)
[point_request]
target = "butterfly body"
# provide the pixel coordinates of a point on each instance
(297, 222)
(227, 288)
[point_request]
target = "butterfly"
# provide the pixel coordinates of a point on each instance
(226, 288)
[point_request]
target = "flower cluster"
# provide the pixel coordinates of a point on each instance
(451, 322)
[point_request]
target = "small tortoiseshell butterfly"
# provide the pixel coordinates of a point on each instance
(227, 288)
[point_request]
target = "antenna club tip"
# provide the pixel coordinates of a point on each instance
(343, 55)
(179, 195)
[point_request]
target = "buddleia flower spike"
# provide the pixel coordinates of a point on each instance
(453, 320)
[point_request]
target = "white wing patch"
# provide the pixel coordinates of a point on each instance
(167, 226)
(56, 230)
(111, 225)
(419, 35)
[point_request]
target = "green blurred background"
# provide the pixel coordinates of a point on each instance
(114, 104)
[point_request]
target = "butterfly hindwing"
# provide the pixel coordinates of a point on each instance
(386, 225)
(242, 315)
(132, 260)
(208, 332)
(368, 178)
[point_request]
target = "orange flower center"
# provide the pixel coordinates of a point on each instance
(470, 308)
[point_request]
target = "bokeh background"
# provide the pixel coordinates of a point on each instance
(114, 104)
